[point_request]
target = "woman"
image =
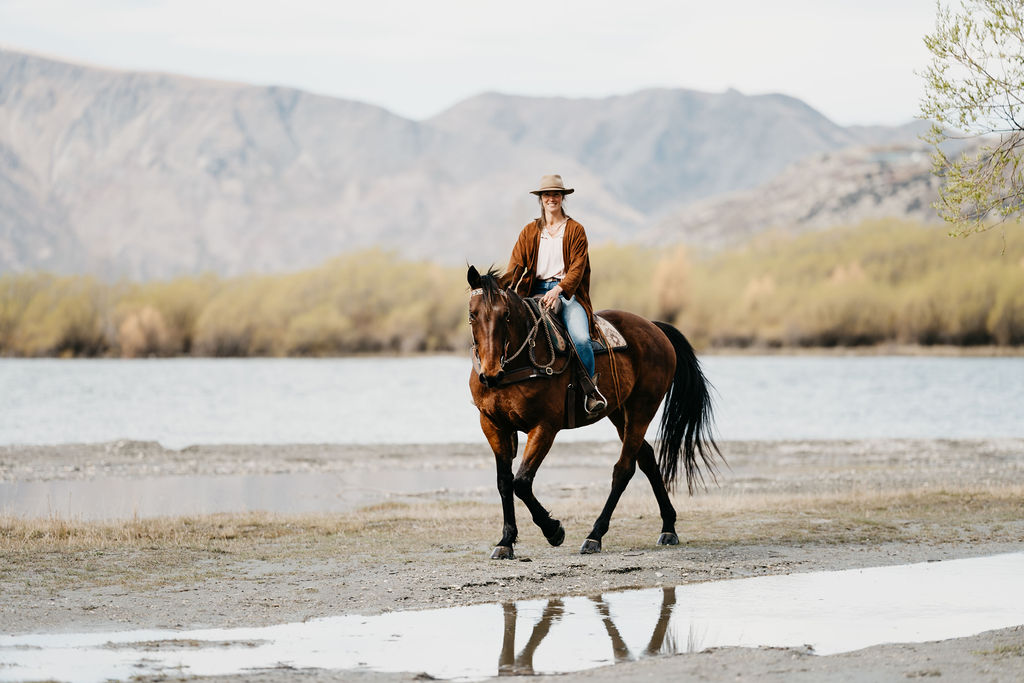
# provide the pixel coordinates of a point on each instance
(551, 260)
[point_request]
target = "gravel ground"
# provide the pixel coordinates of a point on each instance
(738, 528)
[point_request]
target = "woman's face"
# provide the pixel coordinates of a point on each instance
(552, 201)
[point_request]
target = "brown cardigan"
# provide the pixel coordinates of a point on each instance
(575, 255)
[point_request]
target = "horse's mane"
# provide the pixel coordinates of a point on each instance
(490, 283)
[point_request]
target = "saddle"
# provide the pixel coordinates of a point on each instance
(608, 336)
(551, 330)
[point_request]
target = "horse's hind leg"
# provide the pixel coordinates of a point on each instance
(649, 466)
(632, 439)
(537, 447)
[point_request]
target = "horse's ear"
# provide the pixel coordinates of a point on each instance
(473, 276)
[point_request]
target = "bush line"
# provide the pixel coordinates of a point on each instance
(880, 282)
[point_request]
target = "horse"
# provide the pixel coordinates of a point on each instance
(658, 363)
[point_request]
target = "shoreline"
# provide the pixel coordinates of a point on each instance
(126, 458)
(882, 349)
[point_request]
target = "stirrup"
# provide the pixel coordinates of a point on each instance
(595, 402)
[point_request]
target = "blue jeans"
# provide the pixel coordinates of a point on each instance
(575, 318)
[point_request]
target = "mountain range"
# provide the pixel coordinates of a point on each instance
(149, 175)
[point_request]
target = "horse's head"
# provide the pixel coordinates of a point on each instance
(495, 313)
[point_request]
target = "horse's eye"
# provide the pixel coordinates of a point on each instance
(472, 318)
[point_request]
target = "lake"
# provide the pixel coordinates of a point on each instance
(426, 399)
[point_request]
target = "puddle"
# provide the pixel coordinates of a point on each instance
(125, 498)
(829, 612)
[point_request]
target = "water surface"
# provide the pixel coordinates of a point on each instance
(827, 612)
(283, 493)
(185, 401)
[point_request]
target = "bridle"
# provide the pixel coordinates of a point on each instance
(529, 342)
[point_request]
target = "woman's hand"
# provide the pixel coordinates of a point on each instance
(550, 298)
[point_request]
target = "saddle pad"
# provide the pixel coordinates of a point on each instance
(607, 332)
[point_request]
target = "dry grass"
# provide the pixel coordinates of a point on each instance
(916, 515)
(1011, 650)
(886, 282)
(146, 552)
(851, 517)
(220, 531)
(58, 552)
(715, 518)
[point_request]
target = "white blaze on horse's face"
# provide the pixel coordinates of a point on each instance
(489, 322)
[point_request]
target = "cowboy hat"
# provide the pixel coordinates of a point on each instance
(552, 183)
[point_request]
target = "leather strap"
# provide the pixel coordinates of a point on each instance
(570, 406)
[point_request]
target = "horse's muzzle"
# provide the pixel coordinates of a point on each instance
(491, 381)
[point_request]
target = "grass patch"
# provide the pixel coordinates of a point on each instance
(145, 553)
(195, 533)
(913, 515)
(1010, 650)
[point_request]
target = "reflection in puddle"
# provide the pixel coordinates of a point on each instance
(829, 611)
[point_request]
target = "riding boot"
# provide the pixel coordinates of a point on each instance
(594, 402)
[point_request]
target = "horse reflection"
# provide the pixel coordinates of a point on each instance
(512, 664)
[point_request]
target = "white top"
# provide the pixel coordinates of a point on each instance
(549, 254)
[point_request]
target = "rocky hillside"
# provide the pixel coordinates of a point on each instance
(846, 187)
(151, 175)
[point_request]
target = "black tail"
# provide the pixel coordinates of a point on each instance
(686, 420)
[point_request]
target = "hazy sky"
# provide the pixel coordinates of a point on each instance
(854, 61)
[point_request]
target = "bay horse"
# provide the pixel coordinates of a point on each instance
(657, 363)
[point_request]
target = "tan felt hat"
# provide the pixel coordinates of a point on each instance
(552, 183)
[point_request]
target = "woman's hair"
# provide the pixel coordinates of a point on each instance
(540, 201)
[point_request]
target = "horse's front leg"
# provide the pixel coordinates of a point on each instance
(632, 439)
(537, 447)
(503, 443)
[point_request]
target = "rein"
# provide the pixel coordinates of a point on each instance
(531, 342)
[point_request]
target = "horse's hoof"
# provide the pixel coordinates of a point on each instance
(556, 538)
(502, 552)
(668, 538)
(590, 546)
